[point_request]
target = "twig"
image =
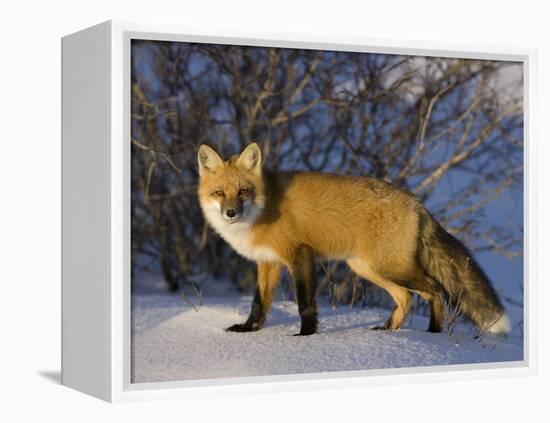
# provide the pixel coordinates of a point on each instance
(187, 300)
(149, 177)
(155, 153)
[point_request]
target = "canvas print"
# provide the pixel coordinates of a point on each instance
(300, 211)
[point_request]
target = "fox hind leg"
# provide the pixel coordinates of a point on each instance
(402, 299)
(430, 290)
(400, 295)
(436, 310)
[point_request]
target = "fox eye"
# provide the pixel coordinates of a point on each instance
(219, 193)
(244, 191)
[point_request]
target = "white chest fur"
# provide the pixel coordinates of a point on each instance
(239, 235)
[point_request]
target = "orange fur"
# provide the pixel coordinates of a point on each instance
(287, 218)
(340, 217)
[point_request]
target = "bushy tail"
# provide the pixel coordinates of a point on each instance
(451, 264)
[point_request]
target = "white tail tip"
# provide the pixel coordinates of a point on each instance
(502, 325)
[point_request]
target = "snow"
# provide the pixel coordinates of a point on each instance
(173, 341)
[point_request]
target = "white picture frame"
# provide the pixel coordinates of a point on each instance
(96, 226)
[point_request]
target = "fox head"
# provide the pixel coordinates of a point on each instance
(232, 190)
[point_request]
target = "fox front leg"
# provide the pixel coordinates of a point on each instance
(303, 273)
(256, 318)
(269, 275)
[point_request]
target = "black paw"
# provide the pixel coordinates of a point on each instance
(380, 328)
(304, 333)
(308, 328)
(242, 327)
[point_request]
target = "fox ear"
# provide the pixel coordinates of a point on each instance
(250, 158)
(208, 159)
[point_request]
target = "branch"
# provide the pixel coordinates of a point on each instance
(154, 153)
(437, 174)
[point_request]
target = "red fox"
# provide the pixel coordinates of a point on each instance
(382, 232)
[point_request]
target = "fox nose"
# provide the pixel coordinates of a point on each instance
(231, 213)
